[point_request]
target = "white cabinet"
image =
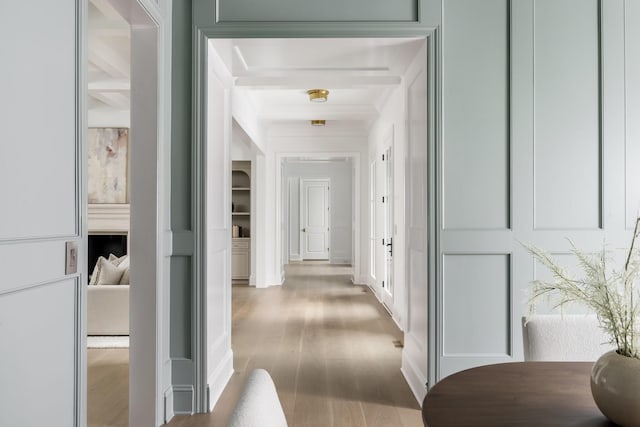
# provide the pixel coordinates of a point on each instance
(240, 259)
(241, 221)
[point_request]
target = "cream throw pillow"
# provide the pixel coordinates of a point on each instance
(108, 273)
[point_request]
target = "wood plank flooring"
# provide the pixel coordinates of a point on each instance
(329, 346)
(107, 387)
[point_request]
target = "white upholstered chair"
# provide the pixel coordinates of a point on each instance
(569, 337)
(258, 405)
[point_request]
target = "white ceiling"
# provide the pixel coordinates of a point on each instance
(109, 52)
(360, 74)
(274, 74)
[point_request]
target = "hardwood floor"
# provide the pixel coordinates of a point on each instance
(329, 346)
(107, 387)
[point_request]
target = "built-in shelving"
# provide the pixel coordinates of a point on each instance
(241, 221)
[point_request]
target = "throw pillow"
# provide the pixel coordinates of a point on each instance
(108, 274)
(96, 271)
(117, 261)
(124, 280)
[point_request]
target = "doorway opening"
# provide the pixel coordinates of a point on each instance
(125, 160)
(262, 87)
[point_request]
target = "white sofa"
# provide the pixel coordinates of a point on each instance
(108, 310)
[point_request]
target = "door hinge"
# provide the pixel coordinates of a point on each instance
(383, 157)
(382, 199)
(383, 241)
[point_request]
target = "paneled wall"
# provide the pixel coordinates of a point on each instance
(538, 145)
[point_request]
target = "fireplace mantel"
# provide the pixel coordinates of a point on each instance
(108, 218)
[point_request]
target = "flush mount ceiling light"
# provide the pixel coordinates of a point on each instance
(318, 95)
(318, 122)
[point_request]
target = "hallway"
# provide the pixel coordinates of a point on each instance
(329, 346)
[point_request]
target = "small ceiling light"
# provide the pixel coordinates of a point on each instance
(318, 95)
(318, 122)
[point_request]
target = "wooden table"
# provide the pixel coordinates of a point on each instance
(532, 394)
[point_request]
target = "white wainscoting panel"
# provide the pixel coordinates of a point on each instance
(309, 10)
(477, 303)
(632, 113)
(38, 322)
(476, 158)
(567, 114)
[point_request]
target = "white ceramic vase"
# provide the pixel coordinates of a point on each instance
(615, 385)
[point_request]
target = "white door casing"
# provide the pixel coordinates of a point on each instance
(388, 202)
(42, 186)
(314, 207)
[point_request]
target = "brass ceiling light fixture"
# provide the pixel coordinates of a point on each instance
(318, 122)
(318, 95)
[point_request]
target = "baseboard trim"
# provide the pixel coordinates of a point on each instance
(182, 397)
(417, 383)
(359, 280)
(168, 405)
(295, 257)
(218, 380)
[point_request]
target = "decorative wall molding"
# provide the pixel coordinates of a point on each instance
(108, 218)
(183, 402)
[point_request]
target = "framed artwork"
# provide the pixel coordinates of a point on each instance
(107, 168)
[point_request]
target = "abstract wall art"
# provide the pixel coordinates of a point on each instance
(107, 168)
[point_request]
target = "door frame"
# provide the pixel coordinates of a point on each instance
(149, 329)
(232, 30)
(302, 210)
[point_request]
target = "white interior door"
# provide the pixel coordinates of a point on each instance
(217, 356)
(415, 352)
(42, 175)
(315, 218)
(387, 241)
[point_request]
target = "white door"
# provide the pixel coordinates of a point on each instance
(415, 351)
(217, 357)
(42, 193)
(315, 218)
(387, 241)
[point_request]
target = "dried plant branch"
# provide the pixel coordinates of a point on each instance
(612, 295)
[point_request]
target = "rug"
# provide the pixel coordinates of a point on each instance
(116, 341)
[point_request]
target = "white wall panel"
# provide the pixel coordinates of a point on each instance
(632, 106)
(310, 10)
(35, 322)
(567, 114)
(31, 126)
(477, 305)
(476, 94)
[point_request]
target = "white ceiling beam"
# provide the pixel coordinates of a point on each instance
(322, 81)
(106, 8)
(313, 112)
(111, 85)
(112, 99)
(108, 59)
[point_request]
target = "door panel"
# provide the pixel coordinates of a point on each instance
(315, 219)
(219, 357)
(415, 352)
(387, 294)
(42, 362)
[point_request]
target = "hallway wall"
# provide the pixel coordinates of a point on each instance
(340, 192)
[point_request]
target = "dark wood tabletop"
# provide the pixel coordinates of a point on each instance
(531, 394)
